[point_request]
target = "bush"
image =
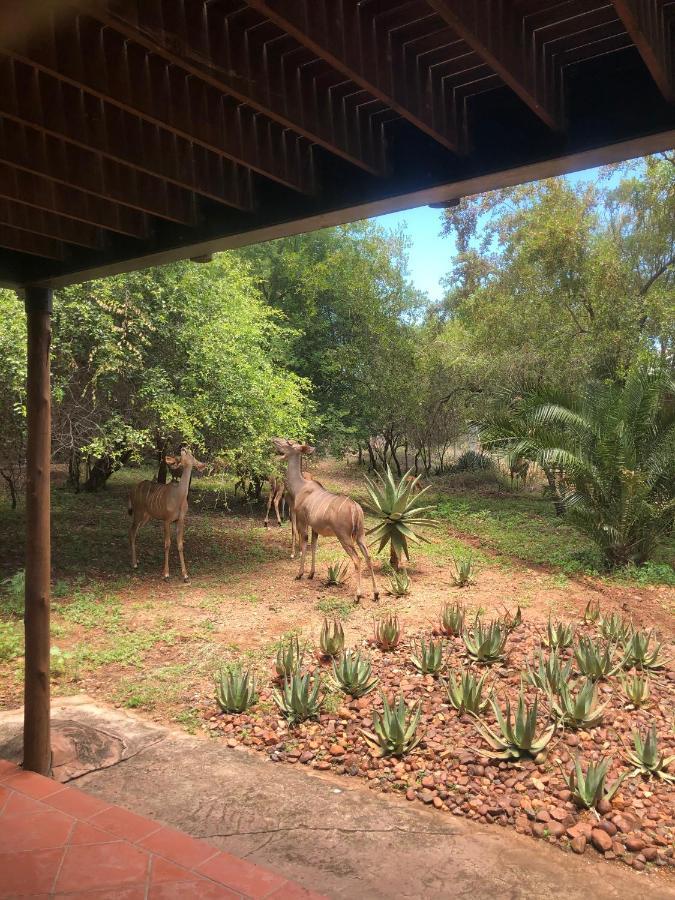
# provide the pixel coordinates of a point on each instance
(473, 461)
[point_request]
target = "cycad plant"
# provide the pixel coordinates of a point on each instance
(401, 511)
(395, 729)
(332, 638)
(352, 674)
(518, 735)
(452, 619)
(647, 758)
(614, 447)
(429, 660)
(588, 788)
(466, 692)
(235, 690)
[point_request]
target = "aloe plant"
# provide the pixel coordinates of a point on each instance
(235, 690)
(462, 574)
(592, 612)
(594, 661)
(637, 651)
(332, 638)
(337, 573)
(614, 629)
(558, 635)
(352, 674)
(636, 689)
(452, 619)
(299, 698)
(647, 759)
(401, 510)
(485, 643)
(387, 632)
(395, 730)
(399, 583)
(429, 660)
(588, 788)
(289, 657)
(550, 674)
(580, 710)
(517, 737)
(466, 692)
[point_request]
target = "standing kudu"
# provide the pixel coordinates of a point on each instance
(327, 514)
(166, 502)
(276, 497)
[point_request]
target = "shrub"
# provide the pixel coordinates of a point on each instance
(472, 461)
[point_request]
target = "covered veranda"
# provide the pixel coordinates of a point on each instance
(135, 133)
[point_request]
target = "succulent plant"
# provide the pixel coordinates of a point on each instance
(352, 674)
(299, 698)
(592, 612)
(588, 788)
(337, 573)
(429, 661)
(485, 643)
(517, 738)
(550, 674)
(558, 635)
(595, 661)
(235, 690)
(395, 730)
(399, 583)
(289, 657)
(466, 692)
(462, 574)
(452, 619)
(580, 710)
(636, 689)
(387, 632)
(614, 628)
(512, 621)
(332, 638)
(647, 759)
(637, 652)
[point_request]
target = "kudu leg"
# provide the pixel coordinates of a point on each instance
(167, 548)
(294, 533)
(277, 501)
(269, 506)
(133, 531)
(350, 550)
(369, 562)
(315, 538)
(180, 531)
(303, 551)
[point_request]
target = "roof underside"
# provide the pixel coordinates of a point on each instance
(137, 131)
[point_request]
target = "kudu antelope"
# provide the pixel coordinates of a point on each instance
(276, 497)
(166, 502)
(327, 514)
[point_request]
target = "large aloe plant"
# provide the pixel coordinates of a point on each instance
(401, 511)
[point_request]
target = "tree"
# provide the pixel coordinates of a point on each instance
(614, 447)
(13, 393)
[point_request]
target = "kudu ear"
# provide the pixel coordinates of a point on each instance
(307, 448)
(199, 466)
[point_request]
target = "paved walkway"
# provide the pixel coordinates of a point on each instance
(57, 841)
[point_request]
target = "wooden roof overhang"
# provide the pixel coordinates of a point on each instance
(133, 132)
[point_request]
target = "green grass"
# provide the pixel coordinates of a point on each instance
(342, 607)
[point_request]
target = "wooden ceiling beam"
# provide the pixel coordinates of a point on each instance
(199, 39)
(48, 224)
(494, 31)
(31, 150)
(104, 63)
(342, 32)
(34, 244)
(42, 194)
(653, 34)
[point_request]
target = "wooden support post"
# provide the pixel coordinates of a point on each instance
(36, 739)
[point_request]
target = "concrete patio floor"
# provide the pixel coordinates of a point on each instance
(330, 834)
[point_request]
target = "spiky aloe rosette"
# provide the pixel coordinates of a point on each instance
(400, 511)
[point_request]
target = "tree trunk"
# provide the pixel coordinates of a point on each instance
(12, 488)
(163, 470)
(37, 754)
(74, 470)
(394, 561)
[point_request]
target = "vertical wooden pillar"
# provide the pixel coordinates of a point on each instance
(36, 738)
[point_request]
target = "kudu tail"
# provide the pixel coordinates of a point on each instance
(130, 505)
(358, 522)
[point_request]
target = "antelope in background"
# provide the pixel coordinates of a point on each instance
(276, 497)
(327, 514)
(166, 502)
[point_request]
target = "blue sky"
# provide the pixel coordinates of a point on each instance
(430, 254)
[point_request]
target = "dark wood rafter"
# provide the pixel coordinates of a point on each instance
(651, 26)
(47, 224)
(33, 244)
(53, 197)
(103, 63)
(222, 51)
(345, 34)
(38, 153)
(494, 30)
